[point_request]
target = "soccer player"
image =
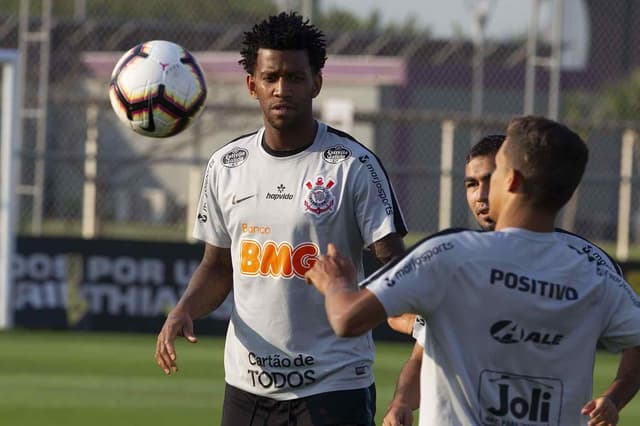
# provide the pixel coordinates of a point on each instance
(479, 164)
(270, 201)
(513, 315)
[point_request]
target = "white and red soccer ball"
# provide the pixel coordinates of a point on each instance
(157, 88)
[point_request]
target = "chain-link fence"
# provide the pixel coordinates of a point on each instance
(405, 87)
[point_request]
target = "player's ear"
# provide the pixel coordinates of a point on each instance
(317, 84)
(514, 180)
(251, 85)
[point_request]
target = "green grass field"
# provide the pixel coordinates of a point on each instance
(69, 379)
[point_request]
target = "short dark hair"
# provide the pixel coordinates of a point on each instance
(488, 145)
(286, 31)
(550, 157)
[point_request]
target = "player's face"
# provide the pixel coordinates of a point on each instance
(285, 86)
(477, 179)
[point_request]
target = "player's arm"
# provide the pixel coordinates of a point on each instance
(406, 397)
(402, 323)
(622, 332)
(387, 248)
(376, 219)
(208, 287)
(627, 381)
(350, 310)
(384, 250)
(625, 386)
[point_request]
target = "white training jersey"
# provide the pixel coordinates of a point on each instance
(513, 318)
(576, 242)
(277, 214)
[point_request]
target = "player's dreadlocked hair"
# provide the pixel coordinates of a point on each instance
(286, 31)
(488, 145)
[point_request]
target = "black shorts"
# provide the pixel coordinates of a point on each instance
(355, 407)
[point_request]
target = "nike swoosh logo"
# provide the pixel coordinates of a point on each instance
(235, 201)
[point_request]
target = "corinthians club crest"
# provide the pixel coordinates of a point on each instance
(319, 200)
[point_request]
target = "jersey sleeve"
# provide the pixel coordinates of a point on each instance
(209, 224)
(414, 283)
(622, 329)
(376, 208)
(589, 249)
(419, 329)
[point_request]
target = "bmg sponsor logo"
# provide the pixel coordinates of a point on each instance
(293, 372)
(517, 400)
(271, 259)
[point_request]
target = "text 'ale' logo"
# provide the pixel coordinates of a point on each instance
(510, 332)
(277, 260)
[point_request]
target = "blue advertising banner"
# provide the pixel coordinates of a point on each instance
(112, 285)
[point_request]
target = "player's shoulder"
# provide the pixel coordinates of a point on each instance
(448, 245)
(236, 151)
(339, 146)
(334, 135)
(583, 247)
(451, 232)
(451, 239)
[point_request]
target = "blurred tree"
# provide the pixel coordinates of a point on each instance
(408, 28)
(341, 20)
(223, 11)
(621, 101)
(227, 11)
(208, 11)
(618, 101)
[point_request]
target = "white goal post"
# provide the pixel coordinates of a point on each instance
(8, 148)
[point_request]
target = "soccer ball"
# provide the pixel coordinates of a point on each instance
(157, 88)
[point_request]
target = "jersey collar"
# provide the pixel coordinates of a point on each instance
(532, 235)
(284, 154)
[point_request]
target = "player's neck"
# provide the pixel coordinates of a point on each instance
(515, 215)
(290, 139)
